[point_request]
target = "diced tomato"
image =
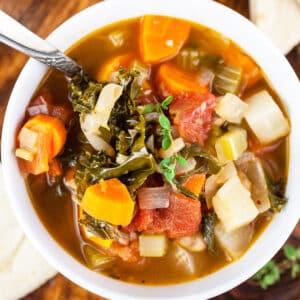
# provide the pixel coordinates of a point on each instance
(192, 116)
(181, 218)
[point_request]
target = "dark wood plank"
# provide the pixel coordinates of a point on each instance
(42, 17)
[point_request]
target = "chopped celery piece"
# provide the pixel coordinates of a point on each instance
(231, 108)
(96, 259)
(192, 59)
(117, 38)
(234, 243)
(189, 59)
(153, 245)
(227, 79)
(233, 205)
(231, 145)
(265, 118)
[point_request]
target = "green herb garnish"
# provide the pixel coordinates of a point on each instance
(270, 273)
(168, 166)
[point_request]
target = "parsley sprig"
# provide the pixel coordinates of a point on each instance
(271, 272)
(168, 164)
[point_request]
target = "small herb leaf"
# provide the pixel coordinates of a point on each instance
(166, 102)
(290, 252)
(295, 270)
(169, 174)
(166, 142)
(181, 160)
(148, 108)
(164, 122)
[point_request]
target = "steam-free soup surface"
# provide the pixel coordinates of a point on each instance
(202, 56)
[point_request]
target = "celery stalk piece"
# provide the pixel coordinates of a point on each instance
(265, 118)
(231, 108)
(234, 205)
(227, 79)
(231, 145)
(153, 245)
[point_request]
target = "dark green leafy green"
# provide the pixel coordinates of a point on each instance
(100, 228)
(211, 164)
(276, 195)
(83, 93)
(208, 231)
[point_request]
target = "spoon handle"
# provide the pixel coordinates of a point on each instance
(15, 35)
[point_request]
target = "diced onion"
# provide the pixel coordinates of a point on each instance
(153, 245)
(24, 154)
(231, 108)
(153, 197)
(38, 109)
(251, 166)
(234, 243)
(184, 260)
(99, 144)
(193, 243)
(28, 139)
(191, 164)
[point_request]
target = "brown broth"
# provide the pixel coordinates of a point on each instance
(58, 213)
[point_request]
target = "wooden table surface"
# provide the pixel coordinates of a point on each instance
(42, 17)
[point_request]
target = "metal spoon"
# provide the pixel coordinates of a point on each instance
(15, 35)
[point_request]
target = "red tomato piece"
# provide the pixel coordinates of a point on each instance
(181, 218)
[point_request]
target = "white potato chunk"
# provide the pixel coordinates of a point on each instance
(214, 182)
(236, 242)
(231, 145)
(231, 108)
(265, 118)
(194, 243)
(153, 245)
(233, 205)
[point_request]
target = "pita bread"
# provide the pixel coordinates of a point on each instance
(22, 269)
(279, 20)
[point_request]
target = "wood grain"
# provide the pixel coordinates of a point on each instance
(42, 17)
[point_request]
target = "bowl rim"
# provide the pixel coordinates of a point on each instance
(247, 36)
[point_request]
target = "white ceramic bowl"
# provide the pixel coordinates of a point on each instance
(281, 77)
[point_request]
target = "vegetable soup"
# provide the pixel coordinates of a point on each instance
(166, 162)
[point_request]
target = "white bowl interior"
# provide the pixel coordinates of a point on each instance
(281, 77)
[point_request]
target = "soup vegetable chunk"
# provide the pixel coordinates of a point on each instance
(166, 162)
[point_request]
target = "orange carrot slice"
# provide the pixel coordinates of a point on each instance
(51, 139)
(195, 183)
(113, 64)
(173, 81)
(110, 201)
(161, 37)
